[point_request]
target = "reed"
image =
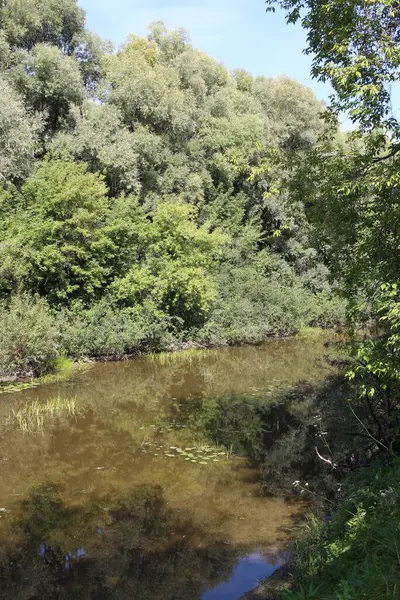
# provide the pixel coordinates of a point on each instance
(180, 356)
(32, 417)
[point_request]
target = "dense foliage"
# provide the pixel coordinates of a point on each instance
(354, 184)
(356, 555)
(151, 190)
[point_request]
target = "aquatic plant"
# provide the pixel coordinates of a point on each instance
(197, 453)
(32, 416)
(186, 356)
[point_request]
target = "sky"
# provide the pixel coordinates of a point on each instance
(238, 33)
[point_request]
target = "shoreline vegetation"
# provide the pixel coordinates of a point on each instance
(36, 340)
(64, 368)
(354, 553)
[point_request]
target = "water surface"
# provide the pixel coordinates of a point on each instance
(129, 497)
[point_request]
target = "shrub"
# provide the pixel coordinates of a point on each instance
(105, 329)
(29, 338)
(251, 307)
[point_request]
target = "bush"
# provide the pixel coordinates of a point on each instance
(252, 307)
(29, 337)
(105, 329)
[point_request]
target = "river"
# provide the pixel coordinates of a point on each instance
(121, 482)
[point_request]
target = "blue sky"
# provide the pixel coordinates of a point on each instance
(238, 33)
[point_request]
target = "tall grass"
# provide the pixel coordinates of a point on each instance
(180, 356)
(32, 417)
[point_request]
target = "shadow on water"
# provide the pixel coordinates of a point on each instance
(135, 547)
(277, 432)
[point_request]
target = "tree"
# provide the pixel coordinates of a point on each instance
(293, 110)
(101, 140)
(53, 240)
(147, 91)
(90, 51)
(18, 135)
(176, 269)
(170, 43)
(356, 198)
(30, 22)
(354, 46)
(50, 82)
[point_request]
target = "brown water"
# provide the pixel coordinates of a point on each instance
(123, 497)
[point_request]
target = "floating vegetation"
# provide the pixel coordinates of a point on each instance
(201, 454)
(18, 386)
(32, 417)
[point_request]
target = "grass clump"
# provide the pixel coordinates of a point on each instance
(357, 555)
(32, 417)
(63, 369)
(186, 356)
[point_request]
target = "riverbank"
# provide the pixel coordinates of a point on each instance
(352, 556)
(63, 368)
(34, 336)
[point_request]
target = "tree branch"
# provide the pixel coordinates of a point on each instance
(326, 460)
(395, 149)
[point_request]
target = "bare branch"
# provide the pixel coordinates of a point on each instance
(326, 460)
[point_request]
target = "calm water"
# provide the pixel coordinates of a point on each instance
(129, 497)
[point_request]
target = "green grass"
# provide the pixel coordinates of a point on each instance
(357, 555)
(179, 356)
(32, 417)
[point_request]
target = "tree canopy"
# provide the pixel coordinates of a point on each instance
(355, 46)
(155, 182)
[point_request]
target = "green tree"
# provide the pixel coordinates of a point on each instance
(30, 22)
(356, 200)
(177, 267)
(354, 46)
(54, 240)
(103, 142)
(170, 43)
(148, 91)
(18, 135)
(50, 82)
